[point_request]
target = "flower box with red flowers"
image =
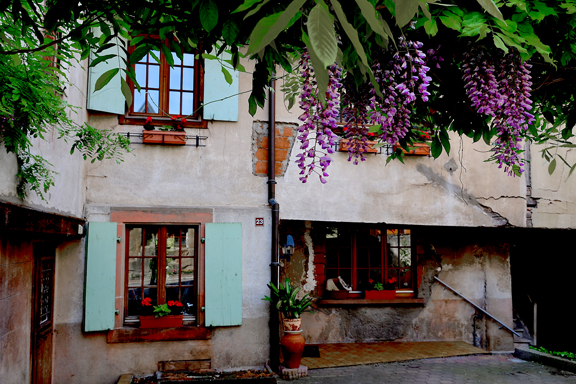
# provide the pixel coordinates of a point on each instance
(167, 315)
(381, 291)
(345, 144)
(170, 135)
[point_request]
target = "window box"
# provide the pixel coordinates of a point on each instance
(345, 144)
(164, 137)
(380, 295)
(416, 149)
(170, 321)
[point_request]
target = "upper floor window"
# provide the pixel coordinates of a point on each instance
(166, 91)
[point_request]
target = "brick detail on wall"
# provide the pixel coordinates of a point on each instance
(285, 137)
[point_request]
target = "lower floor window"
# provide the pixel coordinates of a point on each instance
(363, 256)
(161, 264)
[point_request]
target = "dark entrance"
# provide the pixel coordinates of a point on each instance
(42, 313)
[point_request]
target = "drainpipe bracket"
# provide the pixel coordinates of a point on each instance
(274, 264)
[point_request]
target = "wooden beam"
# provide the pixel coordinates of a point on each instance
(19, 218)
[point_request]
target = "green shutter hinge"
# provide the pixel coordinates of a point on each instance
(203, 240)
(116, 312)
(118, 239)
(202, 309)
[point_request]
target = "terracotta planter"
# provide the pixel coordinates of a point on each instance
(170, 321)
(380, 295)
(292, 324)
(345, 143)
(417, 149)
(164, 137)
(292, 344)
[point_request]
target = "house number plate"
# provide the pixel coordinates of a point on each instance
(259, 221)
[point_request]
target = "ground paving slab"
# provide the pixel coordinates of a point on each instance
(483, 369)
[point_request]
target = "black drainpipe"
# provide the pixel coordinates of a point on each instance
(274, 265)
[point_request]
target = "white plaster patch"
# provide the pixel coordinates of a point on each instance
(447, 267)
(310, 281)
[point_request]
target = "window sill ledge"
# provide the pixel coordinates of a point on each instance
(381, 303)
(133, 335)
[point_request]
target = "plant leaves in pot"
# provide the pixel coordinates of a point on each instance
(284, 298)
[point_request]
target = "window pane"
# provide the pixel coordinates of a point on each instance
(134, 272)
(153, 101)
(153, 76)
(362, 257)
(151, 59)
(405, 257)
(134, 301)
(392, 257)
(172, 271)
(188, 242)
(331, 258)
(135, 247)
(175, 77)
(187, 103)
(405, 279)
(189, 59)
(392, 239)
(344, 258)
(139, 101)
(187, 270)
(187, 298)
(151, 241)
(362, 279)
(345, 275)
(376, 276)
(405, 240)
(375, 257)
(177, 61)
(188, 79)
(172, 242)
(150, 271)
(172, 293)
(141, 74)
(174, 103)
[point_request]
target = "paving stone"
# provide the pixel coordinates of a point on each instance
(485, 369)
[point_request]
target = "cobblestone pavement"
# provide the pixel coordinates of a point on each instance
(498, 369)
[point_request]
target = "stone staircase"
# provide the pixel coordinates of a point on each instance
(525, 340)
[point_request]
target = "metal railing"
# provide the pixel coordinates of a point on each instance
(475, 306)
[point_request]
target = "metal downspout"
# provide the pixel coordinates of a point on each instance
(274, 265)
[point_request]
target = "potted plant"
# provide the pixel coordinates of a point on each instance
(167, 315)
(381, 291)
(292, 343)
(417, 148)
(169, 134)
(366, 146)
(284, 297)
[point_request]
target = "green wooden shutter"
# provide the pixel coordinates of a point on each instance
(100, 277)
(216, 88)
(108, 99)
(223, 297)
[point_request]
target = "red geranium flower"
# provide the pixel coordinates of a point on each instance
(147, 302)
(370, 281)
(149, 120)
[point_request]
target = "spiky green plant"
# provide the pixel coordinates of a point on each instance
(284, 297)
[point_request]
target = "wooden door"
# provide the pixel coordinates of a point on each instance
(42, 313)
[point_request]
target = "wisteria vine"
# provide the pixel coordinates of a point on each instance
(316, 137)
(504, 94)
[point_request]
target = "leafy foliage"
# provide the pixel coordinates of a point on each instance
(352, 33)
(565, 354)
(284, 298)
(31, 105)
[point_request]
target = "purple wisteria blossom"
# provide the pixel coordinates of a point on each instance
(315, 135)
(503, 92)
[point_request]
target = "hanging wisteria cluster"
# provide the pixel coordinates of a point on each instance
(401, 80)
(316, 138)
(503, 93)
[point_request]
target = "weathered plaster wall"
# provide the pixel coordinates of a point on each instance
(67, 195)
(472, 262)
(554, 195)
(16, 267)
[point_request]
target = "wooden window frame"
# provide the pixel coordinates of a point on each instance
(383, 254)
(194, 121)
(161, 257)
(127, 217)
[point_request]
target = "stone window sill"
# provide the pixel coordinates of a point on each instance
(133, 335)
(407, 301)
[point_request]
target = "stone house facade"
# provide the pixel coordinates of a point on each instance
(74, 269)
